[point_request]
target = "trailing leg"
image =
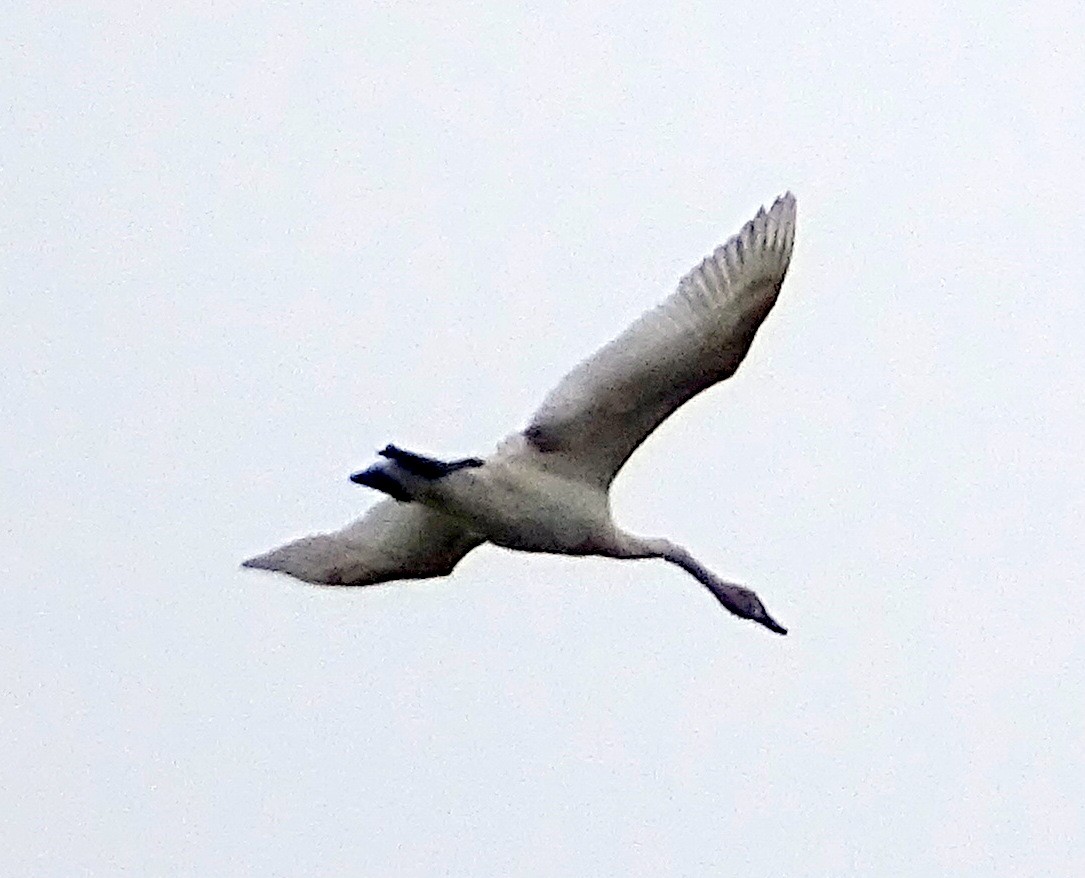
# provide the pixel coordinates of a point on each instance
(427, 467)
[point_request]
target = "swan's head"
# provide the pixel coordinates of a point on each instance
(747, 605)
(765, 619)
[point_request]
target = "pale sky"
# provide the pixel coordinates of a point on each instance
(244, 246)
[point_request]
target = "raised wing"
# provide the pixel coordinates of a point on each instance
(590, 424)
(392, 540)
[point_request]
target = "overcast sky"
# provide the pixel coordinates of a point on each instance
(243, 246)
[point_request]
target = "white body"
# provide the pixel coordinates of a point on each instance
(520, 504)
(546, 489)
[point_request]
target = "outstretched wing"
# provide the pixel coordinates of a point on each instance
(590, 424)
(392, 540)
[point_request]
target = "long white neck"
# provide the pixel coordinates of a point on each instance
(631, 546)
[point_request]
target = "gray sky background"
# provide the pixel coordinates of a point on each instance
(245, 246)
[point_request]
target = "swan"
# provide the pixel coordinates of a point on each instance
(546, 488)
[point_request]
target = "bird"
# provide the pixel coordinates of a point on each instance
(546, 488)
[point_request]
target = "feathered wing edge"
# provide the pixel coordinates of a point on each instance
(391, 541)
(594, 419)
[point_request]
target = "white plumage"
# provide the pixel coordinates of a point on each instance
(546, 488)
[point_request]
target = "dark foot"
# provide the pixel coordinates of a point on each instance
(427, 467)
(376, 478)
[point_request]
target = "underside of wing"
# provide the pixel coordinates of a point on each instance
(391, 541)
(596, 417)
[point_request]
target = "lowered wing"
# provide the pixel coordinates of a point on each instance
(391, 541)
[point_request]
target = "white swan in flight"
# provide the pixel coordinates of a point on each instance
(546, 488)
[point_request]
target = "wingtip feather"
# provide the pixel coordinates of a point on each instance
(767, 239)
